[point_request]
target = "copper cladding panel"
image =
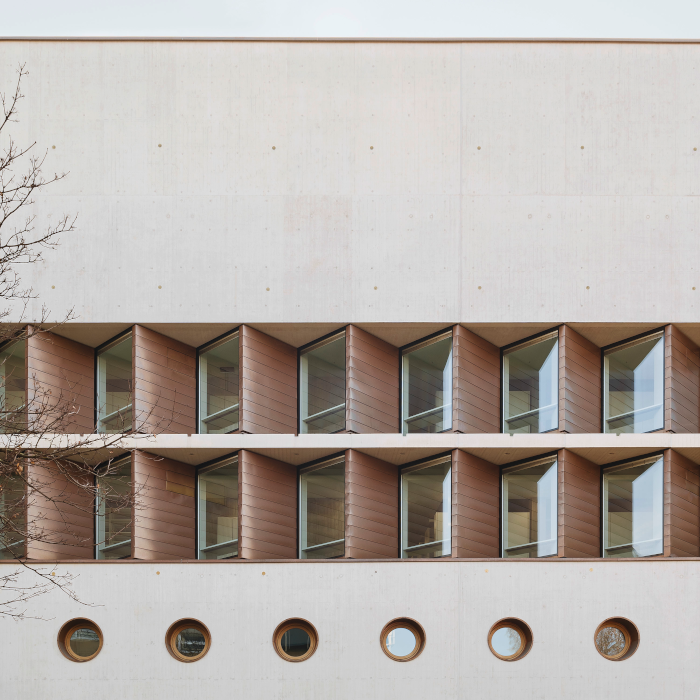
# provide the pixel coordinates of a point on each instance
(681, 506)
(165, 513)
(373, 382)
(165, 383)
(268, 384)
(371, 507)
(476, 494)
(580, 383)
(579, 504)
(66, 369)
(59, 514)
(682, 383)
(267, 495)
(476, 392)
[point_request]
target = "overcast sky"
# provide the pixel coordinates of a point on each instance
(354, 18)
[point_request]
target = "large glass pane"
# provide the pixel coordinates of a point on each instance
(530, 510)
(427, 387)
(114, 387)
(531, 386)
(114, 514)
(323, 386)
(13, 389)
(322, 518)
(633, 509)
(634, 386)
(218, 386)
(426, 510)
(13, 510)
(218, 511)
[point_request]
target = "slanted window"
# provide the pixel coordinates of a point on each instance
(322, 389)
(114, 511)
(13, 506)
(427, 386)
(633, 509)
(13, 387)
(634, 386)
(531, 385)
(426, 512)
(322, 515)
(114, 386)
(218, 510)
(530, 510)
(219, 385)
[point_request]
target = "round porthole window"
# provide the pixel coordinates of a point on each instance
(187, 640)
(295, 640)
(616, 639)
(402, 639)
(510, 639)
(80, 640)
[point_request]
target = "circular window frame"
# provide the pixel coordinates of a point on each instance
(526, 638)
(176, 628)
(630, 632)
(287, 625)
(66, 632)
(410, 624)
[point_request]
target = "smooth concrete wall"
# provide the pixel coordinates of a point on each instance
(366, 182)
(349, 603)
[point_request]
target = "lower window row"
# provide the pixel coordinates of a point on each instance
(401, 639)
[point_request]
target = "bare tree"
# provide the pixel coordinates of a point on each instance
(44, 469)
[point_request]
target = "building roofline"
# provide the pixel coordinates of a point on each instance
(361, 40)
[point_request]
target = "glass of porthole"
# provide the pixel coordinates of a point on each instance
(295, 640)
(510, 639)
(616, 639)
(80, 640)
(402, 639)
(188, 640)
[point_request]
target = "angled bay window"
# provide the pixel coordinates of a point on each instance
(530, 509)
(114, 511)
(322, 386)
(633, 508)
(115, 386)
(634, 385)
(13, 518)
(427, 386)
(426, 509)
(531, 385)
(217, 517)
(13, 386)
(219, 385)
(322, 510)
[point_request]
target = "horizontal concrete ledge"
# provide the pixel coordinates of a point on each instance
(364, 40)
(393, 448)
(310, 562)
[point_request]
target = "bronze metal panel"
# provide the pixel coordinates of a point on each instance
(580, 383)
(476, 390)
(476, 493)
(60, 513)
(66, 370)
(268, 384)
(268, 496)
(682, 383)
(372, 385)
(681, 506)
(579, 504)
(156, 505)
(371, 506)
(165, 376)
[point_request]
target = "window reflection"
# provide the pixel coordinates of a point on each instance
(13, 387)
(634, 386)
(114, 512)
(218, 510)
(219, 371)
(531, 386)
(530, 510)
(114, 387)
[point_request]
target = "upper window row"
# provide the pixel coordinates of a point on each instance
(421, 393)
